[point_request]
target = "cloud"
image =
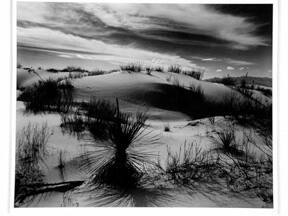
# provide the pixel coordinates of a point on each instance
(209, 59)
(60, 43)
(173, 23)
(238, 62)
(230, 68)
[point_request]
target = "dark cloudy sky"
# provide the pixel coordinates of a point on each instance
(219, 39)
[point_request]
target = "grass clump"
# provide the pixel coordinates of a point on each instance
(167, 128)
(149, 70)
(19, 66)
(229, 81)
(195, 74)
(175, 69)
(74, 69)
(190, 166)
(159, 69)
(132, 67)
(225, 139)
(48, 95)
(30, 154)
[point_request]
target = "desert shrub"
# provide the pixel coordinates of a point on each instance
(48, 95)
(53, 70)
(100, 109)
(74, 69)
(167, 128)
(212, 120)
(191, 165)
(159, 69)
(195, 74)
(19, 66)
(174, 69)
(73, 123)
(31, 151)
(149, 70)
(243, 83)
(96, 72)
(132, 67)
(225, 140)
(229, 81)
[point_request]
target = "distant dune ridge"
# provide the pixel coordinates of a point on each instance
(262, 81)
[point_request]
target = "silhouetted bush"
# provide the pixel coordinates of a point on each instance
(174, 69)
(48, 95)
(149, 70)
(53, 70)
(74, 69)
(19, 66)
(194, 74)
(132, 67)
(31, 151)
(159, 69)
(228, 81)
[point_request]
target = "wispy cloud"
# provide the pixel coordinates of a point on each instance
(162, 33)
(146, 20)
(230, 68)
(94, 49)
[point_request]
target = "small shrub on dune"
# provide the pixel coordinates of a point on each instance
(48, 95)
(225, 140)
(194, 74)
(149, 70)
(100, 109)
(191, 165)
(74, 69)
(19, 66)
(212, 120)
(132, 67)
(229, 81)
(96, 72)
(197, 93)
(175, 69)
(73, 123)
(159, 69)
(167, 128)
(52, 70)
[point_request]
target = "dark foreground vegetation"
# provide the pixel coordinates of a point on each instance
(48, 95)
(119, 173)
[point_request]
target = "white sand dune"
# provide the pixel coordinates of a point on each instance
(136, 91)
(25, 78)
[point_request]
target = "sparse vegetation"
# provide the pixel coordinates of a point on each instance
(167, 128)
(212, 120)
(48, 95)
(30, 155)
(195, 74)
(225, 139)
(149, 70)
(132, 67)
(175, 69)
(159, 69)
(19, 66)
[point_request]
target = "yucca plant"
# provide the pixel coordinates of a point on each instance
(115, 162)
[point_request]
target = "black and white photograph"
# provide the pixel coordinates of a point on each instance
(144, 105)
